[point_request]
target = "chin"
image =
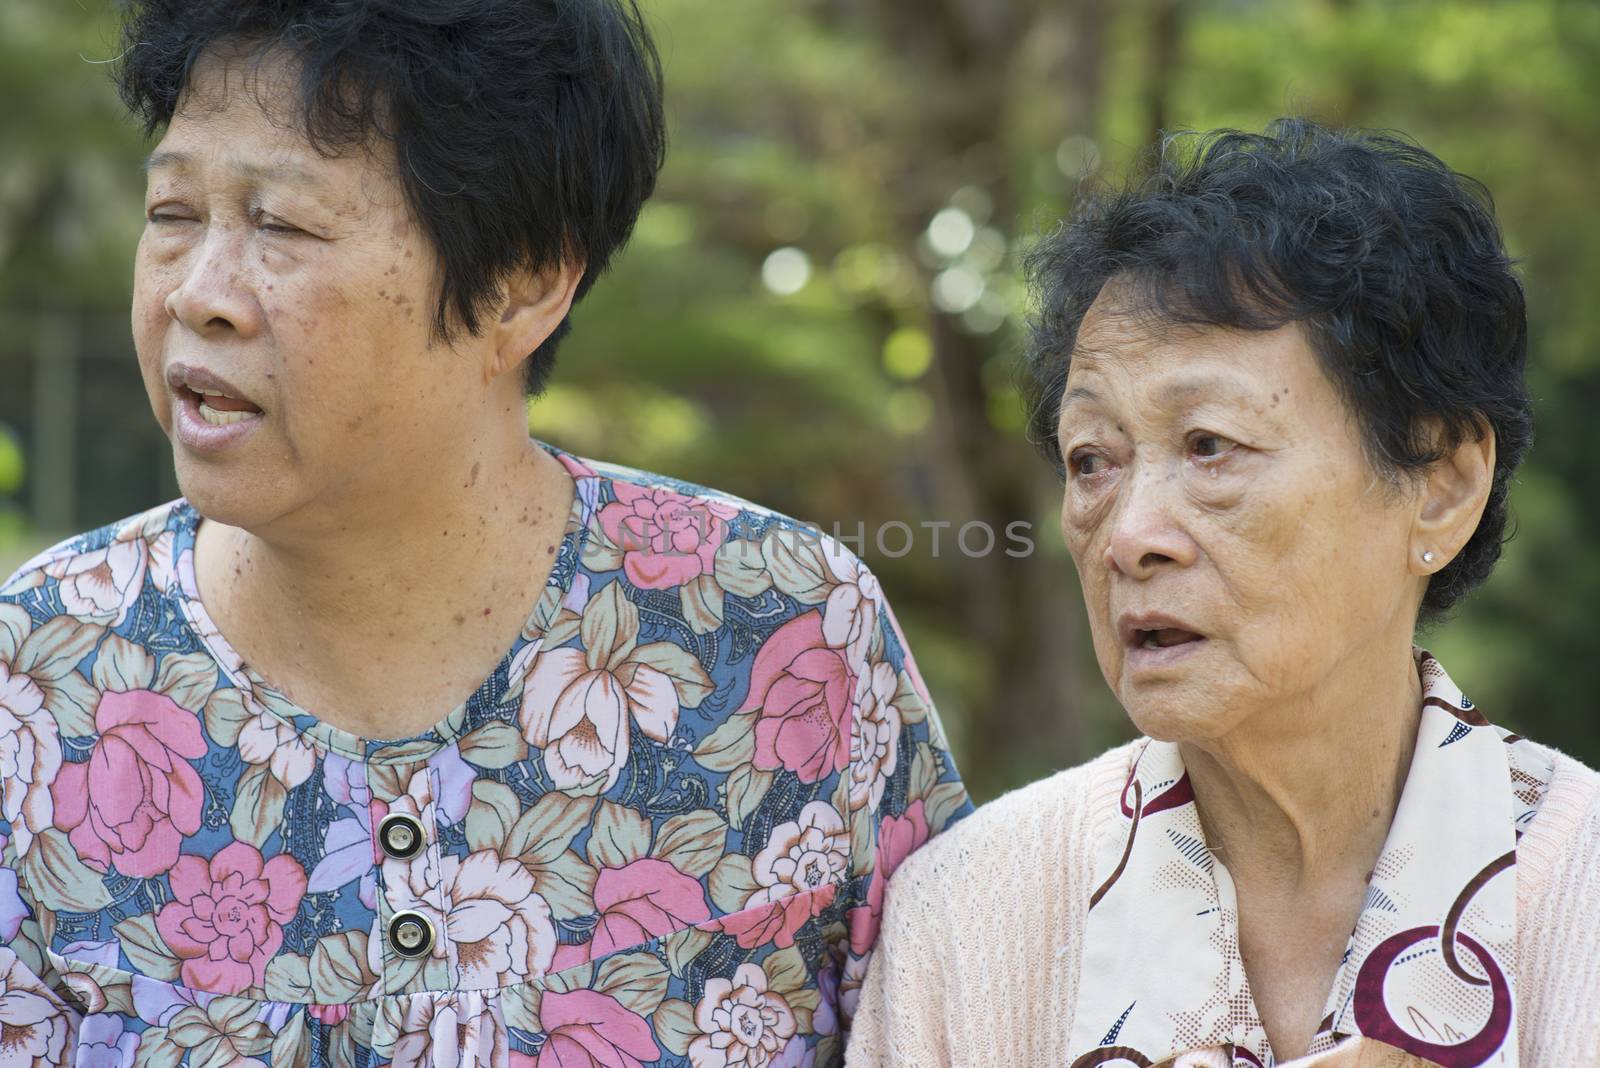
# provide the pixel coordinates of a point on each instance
(225, 498)
(1171, 711)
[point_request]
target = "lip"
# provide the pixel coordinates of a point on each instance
(1138, 657)
(200, 435)
(185, 376)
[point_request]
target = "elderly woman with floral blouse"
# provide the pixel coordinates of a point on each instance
(1282, 376)
(403, 739)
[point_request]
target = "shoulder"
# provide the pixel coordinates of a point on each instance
(1559, 854)
(1029, 848)
(1558, 919)
(96, 576)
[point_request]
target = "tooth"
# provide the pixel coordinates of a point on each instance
(220, 418)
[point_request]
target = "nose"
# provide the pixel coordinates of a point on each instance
(214, 296)
(1146, 535)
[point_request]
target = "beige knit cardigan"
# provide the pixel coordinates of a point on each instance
(981, 944)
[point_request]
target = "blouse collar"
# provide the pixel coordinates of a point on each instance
(1430, 965)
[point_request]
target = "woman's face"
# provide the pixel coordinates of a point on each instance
(302, 282)
(1235, 547)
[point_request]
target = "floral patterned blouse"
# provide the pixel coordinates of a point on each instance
(657, 834)
(1430, 967)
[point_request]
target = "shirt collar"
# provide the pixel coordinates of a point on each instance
(1430, 965)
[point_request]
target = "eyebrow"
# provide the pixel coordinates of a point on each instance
(255, 172)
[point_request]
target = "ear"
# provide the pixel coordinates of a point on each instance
(535, 304)
(1451, 503)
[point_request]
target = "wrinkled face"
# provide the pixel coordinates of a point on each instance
(299, 285)
(1235, 548)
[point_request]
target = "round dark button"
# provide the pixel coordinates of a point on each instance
(411, 934)
(400, 835)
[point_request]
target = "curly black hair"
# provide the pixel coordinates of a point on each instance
(1391, 262)
(523, 130)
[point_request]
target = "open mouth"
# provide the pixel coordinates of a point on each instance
(219, 409)
(1164, 637)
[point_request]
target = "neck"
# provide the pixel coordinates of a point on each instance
(370, 570)
(1303, 794)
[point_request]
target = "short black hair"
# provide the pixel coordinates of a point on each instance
(523, 130)
(1390, 261)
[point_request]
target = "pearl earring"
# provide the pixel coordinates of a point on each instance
(1427, 556)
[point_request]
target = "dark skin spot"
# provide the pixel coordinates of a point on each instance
(460, 619)
(549, 550)
(354, 423)
(486, 611)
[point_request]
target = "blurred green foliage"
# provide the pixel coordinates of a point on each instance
(820, 308)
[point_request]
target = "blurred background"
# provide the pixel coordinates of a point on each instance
(820, 308)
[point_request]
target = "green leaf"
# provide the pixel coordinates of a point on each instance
(702, 603)
(157, 1050)
(578, 977)
(794, 559)
(225, 716)
(15, 624)
(620, 836)
(258, 806)
(942, 802)
(692, 842)
(339, 971)
(610, 628)
(907, 698)
(288, 978)
(494, 745)
(56, 648)
(566, 884)
(493, 810)
(122, 666)
(731, 744)
(685, 946)
(190, 1027)
(187, 678)
(746, 788)
(72, 701)
(732, 882)
(674, 1025)
(291, 1047)
(786, 971)
(544, 831)
(924, 772)
(691, 681)
(741, 569)
(637, 980)
(58, 878)
(145, 949)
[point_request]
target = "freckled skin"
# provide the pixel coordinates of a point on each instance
(1216, 476)
(304, 281)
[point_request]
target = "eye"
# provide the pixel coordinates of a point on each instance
(165, 215)
(1085, 463)
(1210, 446)
(276, 226)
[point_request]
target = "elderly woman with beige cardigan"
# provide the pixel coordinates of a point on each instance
(1282, 378)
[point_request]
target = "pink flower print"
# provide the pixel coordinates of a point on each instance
(898, 838)
(30, 757)
(799, 870)
(588, 1029)
(228, 916)
(641, 901)
(874, 738)
(33, 1028)
(741, 1022)
(330, 1015)
(100, 586)
(130, 806)
(804, 690)
(667, 539)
